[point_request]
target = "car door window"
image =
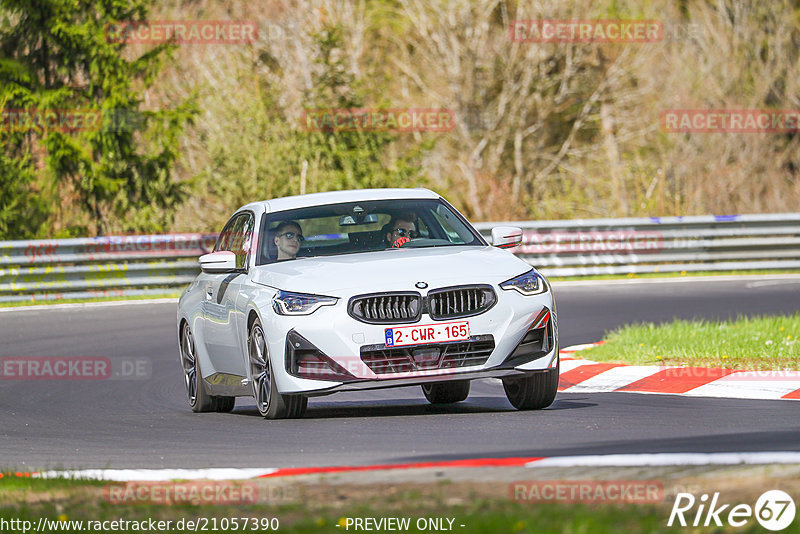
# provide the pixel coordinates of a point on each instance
(223, 241)
(454, 230)
(241, 244)
(236, 237)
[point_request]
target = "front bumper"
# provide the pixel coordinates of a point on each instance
(341, 338)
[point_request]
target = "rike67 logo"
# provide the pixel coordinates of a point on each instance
(774, 510)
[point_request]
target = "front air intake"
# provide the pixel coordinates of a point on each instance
(387, 360)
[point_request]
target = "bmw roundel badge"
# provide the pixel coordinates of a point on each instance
(420, 285)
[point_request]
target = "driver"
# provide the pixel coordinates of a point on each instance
(400, 230)
(288, 237)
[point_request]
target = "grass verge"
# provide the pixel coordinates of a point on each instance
(175, 295)
(757, 343)
(673, 274)
(473, 507)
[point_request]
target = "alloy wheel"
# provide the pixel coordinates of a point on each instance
(260, 369)
(189, 362)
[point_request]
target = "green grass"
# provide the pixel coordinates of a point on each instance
(758, 343)
(491, 517)
(496, 518)
(21, 481)
(484, 507)
(674, 274)
(66, 501)
(166, 294)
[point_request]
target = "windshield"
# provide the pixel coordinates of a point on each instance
(368, 226)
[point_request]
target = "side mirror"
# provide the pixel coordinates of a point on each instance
(223, 261)
(506, 236)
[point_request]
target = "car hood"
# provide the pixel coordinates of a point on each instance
(391, 270)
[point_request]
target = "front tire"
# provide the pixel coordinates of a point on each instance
(532, 392)
(446, 392)
(270, 402)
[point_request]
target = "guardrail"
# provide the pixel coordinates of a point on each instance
(585, 247)
(158, 264)
(113, 266)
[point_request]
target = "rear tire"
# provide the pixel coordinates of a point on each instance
(532, 392)
(446, 392)
(270, 402)
(199, 399)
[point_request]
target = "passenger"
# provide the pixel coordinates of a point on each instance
(400, 230)
(288, 237)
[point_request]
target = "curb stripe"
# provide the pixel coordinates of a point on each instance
(587, 376)
(576, 348)
(614, 378)
(677, 379)
(584, 372)
(793, 395)
(752, 389)
(569, 365)
(601, 460)
(669, 459)
(468, 463)
(159, 475)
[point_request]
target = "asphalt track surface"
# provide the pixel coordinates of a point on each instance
(147, 423)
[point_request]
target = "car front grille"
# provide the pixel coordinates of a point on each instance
(386, 308)
(407, 307)
(387, 360)
(460, 301)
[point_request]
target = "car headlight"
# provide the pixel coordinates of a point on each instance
(288, 303)
(530, 283)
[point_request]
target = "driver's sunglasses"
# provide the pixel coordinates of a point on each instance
(292, 235)
(402, 232)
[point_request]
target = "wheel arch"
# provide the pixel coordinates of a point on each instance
(252, 315)
(181, 323)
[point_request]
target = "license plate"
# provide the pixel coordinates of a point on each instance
(428, 333)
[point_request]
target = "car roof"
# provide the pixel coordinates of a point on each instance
(336, 197)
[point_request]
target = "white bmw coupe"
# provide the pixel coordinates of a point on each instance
(315, 294)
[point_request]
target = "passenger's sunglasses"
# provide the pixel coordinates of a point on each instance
(402, 232)
(293, 235)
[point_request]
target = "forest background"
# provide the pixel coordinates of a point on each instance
(553, 130)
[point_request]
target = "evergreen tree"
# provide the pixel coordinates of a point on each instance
(112, 170)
